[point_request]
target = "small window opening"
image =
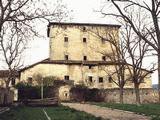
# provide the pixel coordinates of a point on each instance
(66, 57)
(104, 58)
(65, 39)
(100, 79)
(110, 79)
(90, 79)
(84, 29)
(13, 81)
(84, 40)
(66, 77)
(84, 57)
(90, 67)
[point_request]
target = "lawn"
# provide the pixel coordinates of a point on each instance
(36, 113)
(152, 110)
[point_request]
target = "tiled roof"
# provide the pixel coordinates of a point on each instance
(83, 24)
(74, 62)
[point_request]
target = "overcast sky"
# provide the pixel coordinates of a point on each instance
(83, 11)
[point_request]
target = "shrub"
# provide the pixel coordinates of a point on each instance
(82, 93)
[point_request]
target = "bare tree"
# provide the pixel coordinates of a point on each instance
(117, 56)
(115, 53)
(137, 50)
(130, 47)
(18, 20)
(152, 9)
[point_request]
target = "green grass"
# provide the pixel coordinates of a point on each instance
(36, 113)
(152, 110)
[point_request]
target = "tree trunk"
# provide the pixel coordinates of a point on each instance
(121, 95)
(136, 87)
(159, 77)
(6, 94)
(5, 99)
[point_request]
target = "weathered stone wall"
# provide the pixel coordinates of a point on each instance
(75, 48)
(147, 95)
(5, 98)
(112, 95)
(80, 74)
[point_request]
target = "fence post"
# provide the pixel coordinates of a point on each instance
(42, 89)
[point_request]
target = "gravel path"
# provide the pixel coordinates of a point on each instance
(106, 113)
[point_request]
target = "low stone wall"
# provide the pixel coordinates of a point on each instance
(147, 95)
(6, 98)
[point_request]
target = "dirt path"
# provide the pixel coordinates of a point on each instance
(106, 113)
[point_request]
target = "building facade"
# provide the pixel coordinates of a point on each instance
(77, 53)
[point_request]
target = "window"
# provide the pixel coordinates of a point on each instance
(110, 79)
(103, 40)
(142, 80)
(104, 58)
(90, 67)
(66, 77)
(84, 29)
(84, 57)
(66, 57)
(90, 78)
(65, 39)
(30, 80)
(100, 79)
(13, 81)
(84, 40)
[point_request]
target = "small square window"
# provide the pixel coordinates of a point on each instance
(66, 57)
(104, 58)
(66, 77)
(84, 57)
(100, 79)
(90, 78)
(84, 40)
(65, 39)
